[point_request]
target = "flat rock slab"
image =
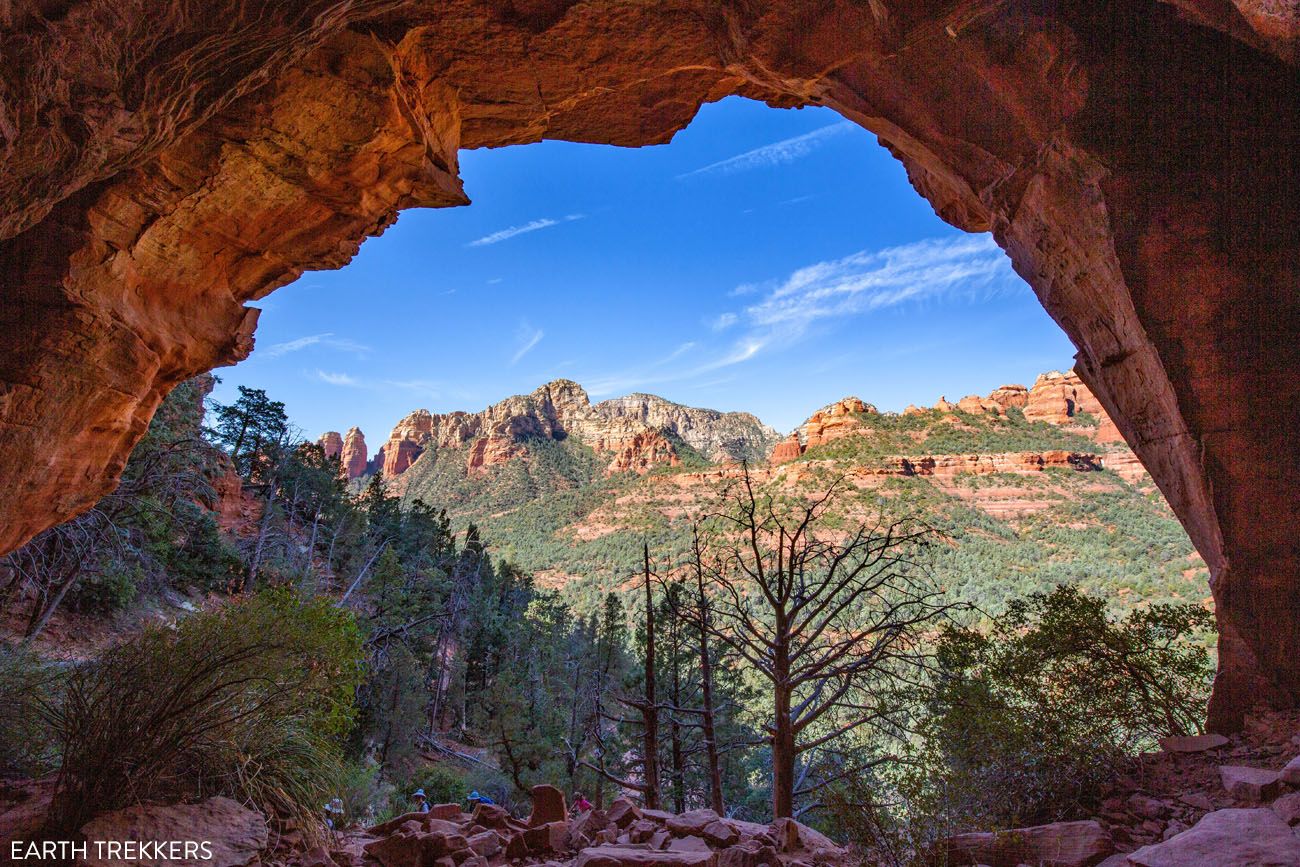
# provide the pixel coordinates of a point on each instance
(1250, 784)
(1193, 743)
(1227, 838)
(1291, 773)
(620, 856)
(1060, 844)
(235, 833)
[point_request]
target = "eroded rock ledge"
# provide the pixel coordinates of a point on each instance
(167, 164)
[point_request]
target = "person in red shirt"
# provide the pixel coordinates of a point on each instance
(580, 804)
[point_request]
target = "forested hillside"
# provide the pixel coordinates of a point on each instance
(831, 633)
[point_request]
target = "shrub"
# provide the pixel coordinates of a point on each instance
(27, 684)
(111, 590)
(1029, 720)
(248, 701)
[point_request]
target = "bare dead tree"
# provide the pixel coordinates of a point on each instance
(646, 707)
(832, 617)
(703, 625)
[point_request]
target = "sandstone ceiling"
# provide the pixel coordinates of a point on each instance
(168, 161)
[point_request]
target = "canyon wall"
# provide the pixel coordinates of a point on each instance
(634, 433)
(168, 163)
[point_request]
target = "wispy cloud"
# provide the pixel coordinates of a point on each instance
(422, 387)
(970, 267)
(723, 321)
(774, 154)
(327, 339)
(529, 337)
(531, 226)
(337, 378)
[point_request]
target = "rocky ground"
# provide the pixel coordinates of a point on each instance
(1206, 801)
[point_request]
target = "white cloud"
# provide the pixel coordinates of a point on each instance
(345, 344)
(724, 321)
(337, 378)
(969, 266)
(531, 226)
(864, 281)
(529, 337)
(784, 151)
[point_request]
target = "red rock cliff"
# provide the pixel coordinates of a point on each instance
(353, 455)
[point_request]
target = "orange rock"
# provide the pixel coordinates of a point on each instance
(332, 442)
(1008, 396)
(353, 455)
(786, 450)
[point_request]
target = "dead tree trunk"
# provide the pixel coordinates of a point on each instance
(707, 726)
(650, 710)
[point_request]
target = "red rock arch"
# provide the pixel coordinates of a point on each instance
(167, 163)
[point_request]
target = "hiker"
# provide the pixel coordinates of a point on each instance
(421, 802)
(475, 799)
(580, 804)
(333, 811)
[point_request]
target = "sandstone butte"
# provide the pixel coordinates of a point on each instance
(1055, 398)
(632, 432)
(162, 172)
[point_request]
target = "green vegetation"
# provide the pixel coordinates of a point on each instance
(931, 432)
(154, 532)
(354, 645)
(250, 700)
(548, 468)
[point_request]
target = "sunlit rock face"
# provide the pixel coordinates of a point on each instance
(171, 163)
(633, 433)
(352, 457)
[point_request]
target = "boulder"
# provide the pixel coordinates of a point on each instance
(641, 830)
(750, 830)
(688, 844)
(1193, 743)
(786, 832)
(557, 836)
(317, 856)
(1255, 785)
(1291, 773)
(401, 849)
(721, 834)
(1147, 807)
(1287, 808)
(749, 854)
(486, 843)
(1227, 838)
(583, 830)
(548, 806)
(538, 840)
(659, 839)
(623, 812)
(1060, 844)
(235, 833)
(446, 812)
(660, 816)
(491, 816)
(621, 856)
(1197, 800)
(692, 822)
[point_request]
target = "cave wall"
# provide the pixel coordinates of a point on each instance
(169, 163)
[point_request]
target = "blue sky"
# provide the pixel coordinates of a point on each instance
(766, 260)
